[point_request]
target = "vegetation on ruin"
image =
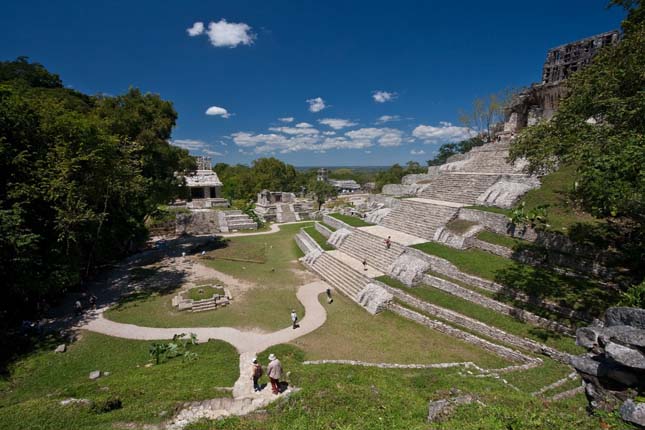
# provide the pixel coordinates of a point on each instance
(460, 226)
(394, 174)
(487, 316)
(350, 220)
(204, 292)
(599, 129)
(30, 397)
(576, 293)
(501, 239)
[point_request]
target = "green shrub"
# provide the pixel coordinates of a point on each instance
(107, 404)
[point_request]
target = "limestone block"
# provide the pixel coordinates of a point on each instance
(409, 269)
(633, 412)
(633, 317)
(447, 237)
(398, 190)
(587, 337)
(507, 191)
(626, 356)
(626, 335)
(96, 374)
(438, 409)
(374, 298)
(338, 237)
(375, 217)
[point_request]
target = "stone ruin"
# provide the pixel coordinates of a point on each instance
(216, 301)
(205, 186)
(613, 370)
(540, 101)
(279, 206)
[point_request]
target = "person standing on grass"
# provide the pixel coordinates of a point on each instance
(256, 373)
(294, 319)
(329, 299)
(275, 373)
(388, 242)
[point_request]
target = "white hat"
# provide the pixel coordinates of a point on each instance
(271, 357)
(254, 359)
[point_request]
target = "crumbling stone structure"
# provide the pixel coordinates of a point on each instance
(614, 369)
(205, 186)
(281, 206)
(540, 101)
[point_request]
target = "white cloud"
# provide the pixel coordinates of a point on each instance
(303, 125)
(316, 105)
(229, 34)
(383, 96)
(295, 130)
(329, 133)
(445, 133)
(196, 29)
(286, 119)
(217, 111)
(189, 144)
(382, 136)
(417, 152)
(292, 139)
(212, 153)
(387, 118)
(337, 123)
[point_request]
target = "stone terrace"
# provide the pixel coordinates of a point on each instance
(418, 218)
(458, 187)
(362, 245)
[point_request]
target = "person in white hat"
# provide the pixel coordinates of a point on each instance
(294, 319)
(275, 372)
(256, 373)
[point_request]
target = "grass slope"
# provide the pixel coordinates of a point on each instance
(353, 334)
(30, 398)
(319, 238)
(351, 220)
(267, 306)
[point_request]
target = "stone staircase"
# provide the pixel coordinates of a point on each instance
(489, 158)
(362, 245)
(418, 219)
(237, 220)
(458, 187)
(285, 213)
(340, 275)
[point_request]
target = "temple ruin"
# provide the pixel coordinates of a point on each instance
(540, 101)
(205, 186)
(281, 206)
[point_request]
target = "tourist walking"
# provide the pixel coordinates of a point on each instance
(294, 319)
(274, 370)
(329, 299)
(256, 373)
(92, 301)
(365, 264)
(388, 242)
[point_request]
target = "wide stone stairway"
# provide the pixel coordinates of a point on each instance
(459, 187)
(489, 158)
(340, 275)
(419, 218)
(362, 245)
(285, 213)
(237, 220)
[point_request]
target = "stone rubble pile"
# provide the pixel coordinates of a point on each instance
(614, 368)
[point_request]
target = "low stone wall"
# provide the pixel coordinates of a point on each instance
(497, 223)
(502, 351)
(477, 326)
(306, 243)
(386, 201)
(500, 250)
(323, 230)
(198, 222)
(336, 223)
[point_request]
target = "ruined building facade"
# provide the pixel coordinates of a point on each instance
(540, 101)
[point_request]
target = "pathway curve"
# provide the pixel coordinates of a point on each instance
(243, 341)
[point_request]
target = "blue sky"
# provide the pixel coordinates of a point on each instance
(392, 76)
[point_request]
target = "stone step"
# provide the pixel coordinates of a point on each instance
(362, 245)
(340, 276)
(418, 219)
(460, 188)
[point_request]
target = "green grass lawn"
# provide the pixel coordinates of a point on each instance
(353, 334)
(266, 306)
(575, 293)
(204, 292)
(319, 238)
(502, 240)
(487, 316)
(492, 209)
(328, 226)
(351, 220)
(238, 250)
(29, 398)
(358, 398)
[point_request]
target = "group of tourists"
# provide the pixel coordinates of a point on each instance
(274, 372)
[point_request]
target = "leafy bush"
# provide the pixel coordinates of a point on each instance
(178, 347)
(107, 404)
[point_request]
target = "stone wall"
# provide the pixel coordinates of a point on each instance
(614, 369)
(492, 304)
(506, 192)
(336, 223)
(497, 223)
(386, 201)
(322, 230)
(502, 351)
(477, 326)
(306, 243)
